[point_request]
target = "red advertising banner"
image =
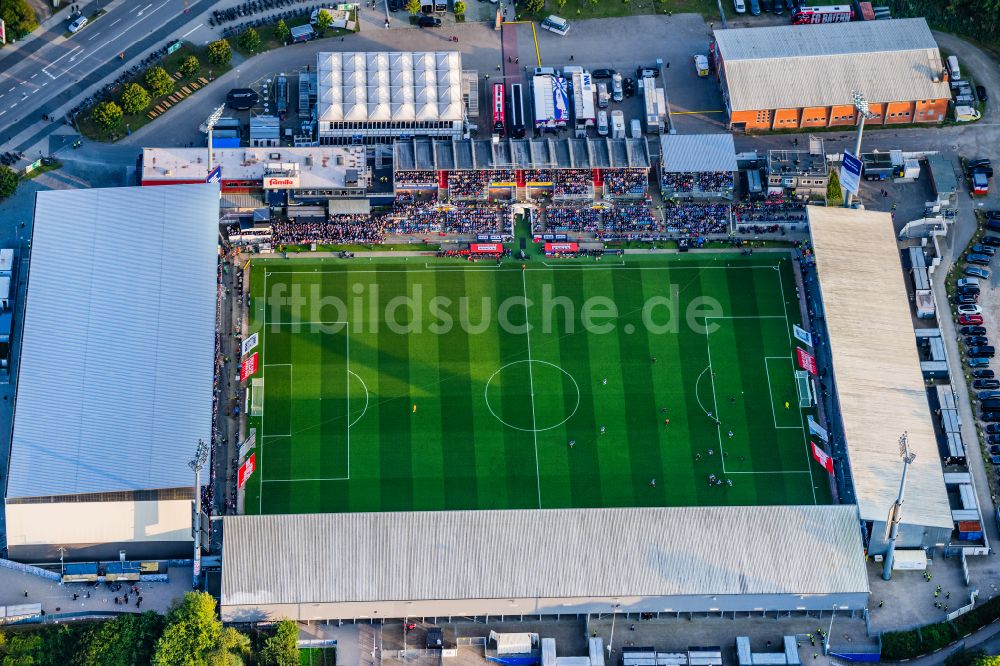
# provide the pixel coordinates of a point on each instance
(552, 248)
(248, 367)
(486, 248)
(246, 469)
(806, 360)
(822, 457)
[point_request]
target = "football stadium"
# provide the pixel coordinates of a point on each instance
(639, 381)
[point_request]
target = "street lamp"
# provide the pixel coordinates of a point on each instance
(861, 104)
(896, 512)
(614, 614)
(826, 641)
(196, 463)
(210, 124)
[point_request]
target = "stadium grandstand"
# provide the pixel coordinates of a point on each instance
(674, 560)
(697, 166)
(523, 169)
(877, 355)
(115, 384)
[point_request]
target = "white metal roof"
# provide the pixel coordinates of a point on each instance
(541, 553)
(876, 365)
(114, 388)
(389, 86)
(792, 66)
(682, 153)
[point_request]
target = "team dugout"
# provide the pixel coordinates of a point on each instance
(522, 169)
(697, 166)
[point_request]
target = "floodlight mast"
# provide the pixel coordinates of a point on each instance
(861, 104)
(210, 123)
(896, 512)
(196, 463)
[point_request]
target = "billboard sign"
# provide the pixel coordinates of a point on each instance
(850, 173)
(806, 360)
(553, 248)
(281, 182)
(249, 344)
(215, 175)
(246, 469)
(250, 443)
(486, 248)
(248, 366)
(802, 335)
(817, 429)
(822, 457)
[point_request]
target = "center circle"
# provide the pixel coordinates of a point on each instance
(509, 395)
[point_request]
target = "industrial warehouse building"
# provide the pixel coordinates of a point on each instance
(876, 355)
(802, 76)
(542, 562)
(381, 96)
(115, 380)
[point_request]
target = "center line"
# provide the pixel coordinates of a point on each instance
(117, 21)
(531, 387)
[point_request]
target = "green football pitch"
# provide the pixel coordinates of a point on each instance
(401, 385)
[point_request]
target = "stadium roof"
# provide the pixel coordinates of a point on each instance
(792, 66)
(370, 557)
(876, 365)
(115, 382)
(390, 87)
(317, 167)
(683, 153)
(425, 154)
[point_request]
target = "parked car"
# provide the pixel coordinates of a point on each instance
(992, 241)
(986, 384)
(967, 282)
(755, 7)
(991, 417)
(986, 395)
(981, 94)
(602, 73)
(977, 362)
(975, 271)
(970, 319)
(643, 72)
(739, 6)
(991, 405)
(972, 330)
(995, 460)
(982, 248)
(975, 340)
(980, 259)
(395, 5)
(970, 309)
(982, 165)
(993, 440)
(964, 299)
(993, 428)
(986, 374)
(628, 84)
(78, 24)
(984, 351)
(429, 22)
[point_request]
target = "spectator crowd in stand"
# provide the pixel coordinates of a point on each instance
(405, 177)
(773, 210)
(573, 182)
(581, 219)
(467, 184)
(703, 181)
(698, 219)
(625, 182)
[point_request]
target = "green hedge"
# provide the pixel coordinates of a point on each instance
(897, 645)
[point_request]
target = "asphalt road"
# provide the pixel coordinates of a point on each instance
(52, 72)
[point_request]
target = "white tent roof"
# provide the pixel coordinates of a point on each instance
(115, 382)
(389, 87)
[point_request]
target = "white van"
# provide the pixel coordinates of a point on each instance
(617, 93)
(555, 24)
(617, 124)
(636, 129)
(741, 7)
(602, 123)
(603, 98)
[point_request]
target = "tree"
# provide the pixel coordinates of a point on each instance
(459, 8)
(281, 649)
(134, 99)
(220, 53)
(190, 66)
(281, 31)
(971, 658)
(249, 40)
(127, 640)
(107, 115)
(21, 649)
(413, 6)
(323, 21)
(193, 635)
(834, 195)
(159, 82)
(8, 181)
(19, 18)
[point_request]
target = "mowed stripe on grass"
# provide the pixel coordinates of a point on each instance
(452, 422)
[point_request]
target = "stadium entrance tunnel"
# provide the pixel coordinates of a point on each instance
(532, 396)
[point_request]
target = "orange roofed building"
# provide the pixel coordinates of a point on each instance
(802, 76)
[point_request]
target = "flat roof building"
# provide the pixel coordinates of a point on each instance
(115, 381)
(382, 96)
(697, 165)
(876, 367)
(801, 76)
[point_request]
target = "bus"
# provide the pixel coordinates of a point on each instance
(828, 14)
(517, 126)
(498, 112)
